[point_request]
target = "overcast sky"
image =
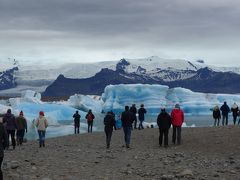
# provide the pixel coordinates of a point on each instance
(102, 30)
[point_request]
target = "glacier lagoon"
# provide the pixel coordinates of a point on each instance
(59, 114)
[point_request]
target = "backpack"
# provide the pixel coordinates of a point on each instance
(90, 117)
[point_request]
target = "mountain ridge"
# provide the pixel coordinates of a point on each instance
(145, 70)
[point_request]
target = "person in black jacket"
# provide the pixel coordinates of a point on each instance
(141, 113)
(127, 120)
(225, 110)
(3, 145)
(133, 110)
(76, 117)
(216, 115)
(109, 122)
(164, 123)
(11, 126)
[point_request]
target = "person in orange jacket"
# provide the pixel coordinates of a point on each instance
(177, 116)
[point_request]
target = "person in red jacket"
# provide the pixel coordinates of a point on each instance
(177, 116)
(90, 117)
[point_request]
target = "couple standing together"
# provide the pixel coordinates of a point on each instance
(127, 118)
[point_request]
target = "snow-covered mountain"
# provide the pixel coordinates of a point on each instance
(39, 77)
(7, 70)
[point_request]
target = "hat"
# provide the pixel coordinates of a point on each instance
(9, 111)
(177, 106)
(21, 113)
(41, 113)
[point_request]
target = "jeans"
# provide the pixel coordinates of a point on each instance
(234, 119)
(12, 134)
(41, 135)
(20, 135)
(216, 121)
(108, 132)
(76, 128)
(127, 135)
(176, 131)
(163, 132)
(135, 122)
(140, 125)
(224, 117)
(90, 125)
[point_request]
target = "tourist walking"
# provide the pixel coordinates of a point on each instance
(216, 115)
(177, 116)
(164, 123)
(76, 117)
(21, 123)
(90, 117)
(3, 145)
(127, 120)
(225, 110)
(133, 110)
(9, 120)
(41, 124)
(109, 122)
(141, 116)
(234, 110)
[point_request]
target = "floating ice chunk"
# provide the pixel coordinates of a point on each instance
(85, 102)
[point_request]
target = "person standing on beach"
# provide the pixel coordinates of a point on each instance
(127, 120)
(21, 128)
(76, 117)
(234, 110)
(3, 145)
(225, 110)
(109, 122)
(164, 123)
(9, 120)
(141, 116)
(177, 116)
(41, 124)
(90, 117)
(216, 115)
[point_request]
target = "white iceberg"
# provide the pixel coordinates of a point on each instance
(115, 97)
(85, 102)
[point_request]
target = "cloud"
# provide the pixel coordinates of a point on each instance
(112, 29)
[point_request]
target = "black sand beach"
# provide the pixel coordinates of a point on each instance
(205, 153)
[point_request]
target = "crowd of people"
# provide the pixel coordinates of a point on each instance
(129, 122)
(223, 113)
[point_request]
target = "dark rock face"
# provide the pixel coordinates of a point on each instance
(7, 79)
(204, 80)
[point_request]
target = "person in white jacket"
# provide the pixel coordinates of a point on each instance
(41, 124)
